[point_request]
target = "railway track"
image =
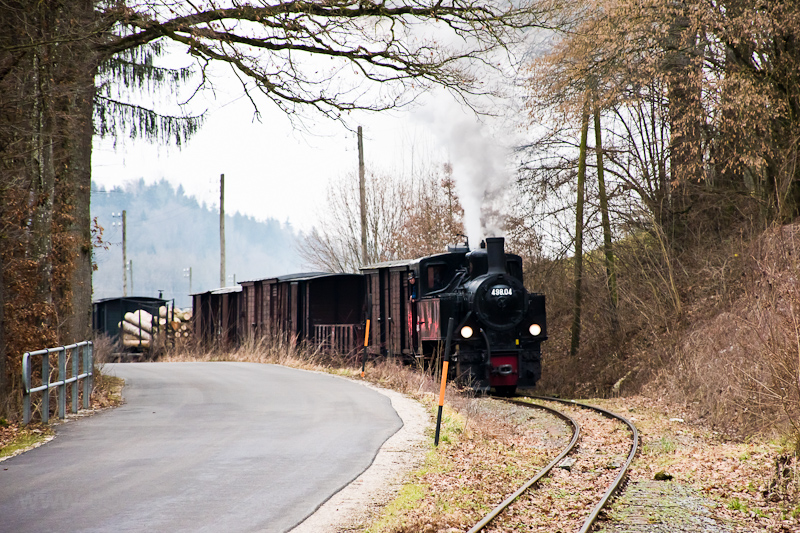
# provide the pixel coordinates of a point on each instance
(595, 449)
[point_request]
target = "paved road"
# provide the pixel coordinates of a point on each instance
(217, 447)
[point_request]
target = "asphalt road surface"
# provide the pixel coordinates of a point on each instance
(217, 447)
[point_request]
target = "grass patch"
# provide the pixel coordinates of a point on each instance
(661, 446)
(453, 424)
(24, 439)
(394, 513)
(736, 505)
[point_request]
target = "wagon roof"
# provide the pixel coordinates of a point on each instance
(221, 290)
(301, 276)
(389, 264)
(226, 290)
(409, 262)
(131, 299)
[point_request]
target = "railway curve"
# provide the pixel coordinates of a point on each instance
(612, 487)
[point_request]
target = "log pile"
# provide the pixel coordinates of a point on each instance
(137, 329)
(177, 322)
(140, 329)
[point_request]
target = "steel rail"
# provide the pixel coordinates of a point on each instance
(543, 472)
(590, 520)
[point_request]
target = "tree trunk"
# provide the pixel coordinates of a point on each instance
(686, 116)
(42, 170)
(76, 291)
(611, 273)
(5, 391)
(576, 315)
(47, 83)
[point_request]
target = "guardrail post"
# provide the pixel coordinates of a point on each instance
(26, 388)
(90, 371)
(76, 354)
(86, 389)
(46, 381)
(62, 387)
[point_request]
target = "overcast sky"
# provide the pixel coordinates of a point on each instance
(273, 170)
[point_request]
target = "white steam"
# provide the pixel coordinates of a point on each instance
(480, 156)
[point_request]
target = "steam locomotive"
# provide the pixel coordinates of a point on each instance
(499, 326)
(400, 309)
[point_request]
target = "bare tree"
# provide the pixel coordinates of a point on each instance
(405, 219)
(578, 259)
(319, 54)
(335, 245)
(434, 215)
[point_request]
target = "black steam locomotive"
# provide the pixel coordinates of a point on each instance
(499, 325)
(405, 307)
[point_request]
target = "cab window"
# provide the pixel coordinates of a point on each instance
(436, 277)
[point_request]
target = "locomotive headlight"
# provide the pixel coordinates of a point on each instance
(535, 329)
(466, 332)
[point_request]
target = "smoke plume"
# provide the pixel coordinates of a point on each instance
(480, 156)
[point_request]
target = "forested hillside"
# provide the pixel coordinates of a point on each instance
(169, 232)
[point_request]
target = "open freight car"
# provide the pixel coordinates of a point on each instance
(109, 318)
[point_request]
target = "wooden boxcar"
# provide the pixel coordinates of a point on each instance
(402, 321)
(217, 315)
(322, 308)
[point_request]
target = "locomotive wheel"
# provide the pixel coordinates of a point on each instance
(506, 391)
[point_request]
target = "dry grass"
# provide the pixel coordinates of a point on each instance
(741, 368)
(712, 327)
(715, 325)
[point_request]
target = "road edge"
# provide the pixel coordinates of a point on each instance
(354, 505)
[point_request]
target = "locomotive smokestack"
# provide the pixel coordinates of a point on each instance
(496, 255)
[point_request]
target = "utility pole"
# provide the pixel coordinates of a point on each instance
(222, 230)
(130, 265)
(124, 260)
(363, 194)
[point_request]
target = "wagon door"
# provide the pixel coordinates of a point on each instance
(386, 310)
(395, 319)
(294, 308)
(374, 285)
(429, 320)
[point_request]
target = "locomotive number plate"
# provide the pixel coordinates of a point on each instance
(502, 291)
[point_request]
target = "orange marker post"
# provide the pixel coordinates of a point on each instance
(366, 343)
(445, 365)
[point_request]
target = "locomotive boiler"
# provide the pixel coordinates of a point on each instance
(499, 325)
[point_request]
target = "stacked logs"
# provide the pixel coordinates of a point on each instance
(140, 329)
(177, 322)
(137, 329)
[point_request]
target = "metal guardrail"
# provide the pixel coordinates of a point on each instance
(80, 351)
